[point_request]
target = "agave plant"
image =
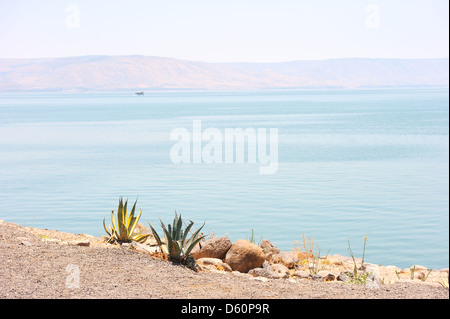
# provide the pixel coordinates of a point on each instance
(175, 243)
(123, 224)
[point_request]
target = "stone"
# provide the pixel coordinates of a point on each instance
(269, 249)
(315, 277)
(26, 243)
(334, 261)
(287, 258)
(280, 270)
(143, 248)
(421, 275)
(262, 272)
(276, 271)
(52, 240)
(301, 274)
(212, 248)
(85, 243)
(326, 275)
(243, 256)
(218, 263)
(373, 281)
(344, 276)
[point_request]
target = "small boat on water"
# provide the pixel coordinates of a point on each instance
(139, 93)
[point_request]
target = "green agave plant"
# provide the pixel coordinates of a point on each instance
(175, 243)
(123, 224)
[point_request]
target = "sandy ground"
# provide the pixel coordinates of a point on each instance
(37, 263)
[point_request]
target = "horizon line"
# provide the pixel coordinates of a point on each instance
(230, 62)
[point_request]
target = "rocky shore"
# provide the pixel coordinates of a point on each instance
(41, 263)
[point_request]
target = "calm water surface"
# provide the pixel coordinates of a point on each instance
(351, 162)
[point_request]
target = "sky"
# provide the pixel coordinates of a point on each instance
(226, 31)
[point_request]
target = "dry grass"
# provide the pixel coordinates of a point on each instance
(308, 252)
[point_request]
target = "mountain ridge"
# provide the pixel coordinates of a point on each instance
(138, 72)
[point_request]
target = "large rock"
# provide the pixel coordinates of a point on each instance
(269, 249)
(212, 248)
(243, 256)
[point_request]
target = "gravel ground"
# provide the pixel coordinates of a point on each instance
(31, 267)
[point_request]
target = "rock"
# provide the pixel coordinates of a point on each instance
(281, 271)
(85, 243)
(262, 272)
(344, 276)
(301, 274)
(215, 262)
(52, 240)
(243, 256)
(392, 268)
(287, 258)
(212, 248)
(143, 248)
(269, 249)
(276, 271)
(373, 281)
(26, 243)
(421, 275)
(346, 259)
(327, 276)
(306, 275)
(334, 261)
(315, 277)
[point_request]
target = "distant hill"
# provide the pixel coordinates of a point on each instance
(104, 73)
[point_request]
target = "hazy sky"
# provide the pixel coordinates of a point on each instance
(225, 31)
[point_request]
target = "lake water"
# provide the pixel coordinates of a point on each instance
(350, 163)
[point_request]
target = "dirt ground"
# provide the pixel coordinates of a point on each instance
(45, 264)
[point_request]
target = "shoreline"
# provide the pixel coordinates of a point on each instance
(103, 266)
